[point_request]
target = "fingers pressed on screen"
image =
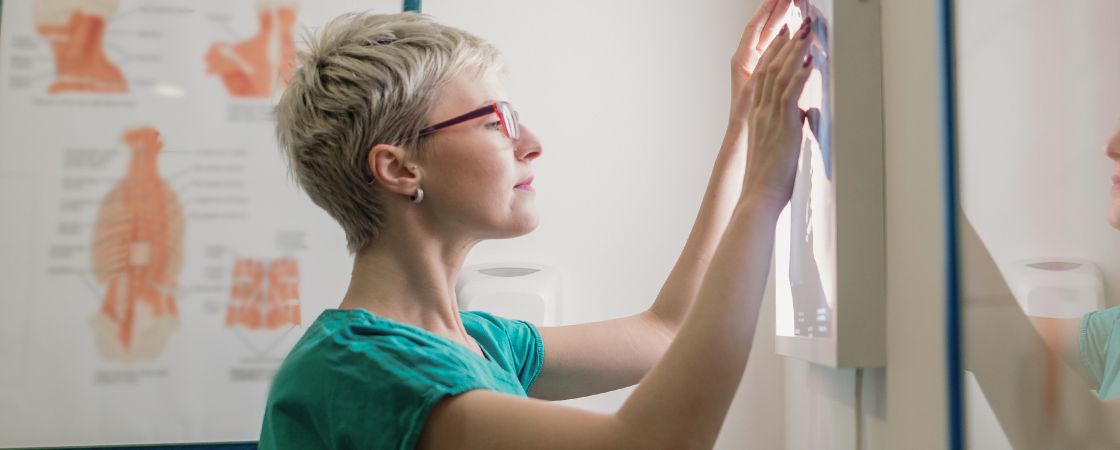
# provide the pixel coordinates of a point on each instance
(790, 62)
(796, 84)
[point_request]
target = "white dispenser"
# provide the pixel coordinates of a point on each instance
(1060, 288)
(529, 292)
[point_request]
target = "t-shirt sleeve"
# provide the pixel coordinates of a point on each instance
(517, 341)
(381, 397)
(1097, 328)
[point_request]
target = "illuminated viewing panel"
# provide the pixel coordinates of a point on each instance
(805, 252)
(829, 243)
(805, 269)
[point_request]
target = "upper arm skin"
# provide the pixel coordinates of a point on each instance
(592, 358)
(1062, 336)
(489, 420)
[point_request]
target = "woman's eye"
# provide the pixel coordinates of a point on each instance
(495, 125)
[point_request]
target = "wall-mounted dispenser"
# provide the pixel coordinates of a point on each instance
(529, 292)
(1060, 288)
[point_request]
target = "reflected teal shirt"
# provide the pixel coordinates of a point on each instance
(359, 381)
(1100, 349)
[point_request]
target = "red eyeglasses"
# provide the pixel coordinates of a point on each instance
(506, 115)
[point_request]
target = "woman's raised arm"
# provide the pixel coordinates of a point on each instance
(597, 357)
(682, 402)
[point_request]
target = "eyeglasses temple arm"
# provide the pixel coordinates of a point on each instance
(488, 109)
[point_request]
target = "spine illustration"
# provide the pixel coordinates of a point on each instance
(137, 254)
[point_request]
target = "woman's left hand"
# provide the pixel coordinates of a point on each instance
(776, 120)
(757, 36)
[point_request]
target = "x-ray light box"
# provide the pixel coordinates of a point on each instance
(830, 245)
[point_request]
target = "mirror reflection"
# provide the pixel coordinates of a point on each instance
(1039, 155)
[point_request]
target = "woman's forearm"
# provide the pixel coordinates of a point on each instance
(680, 289)
(687, 394)
(680, 404)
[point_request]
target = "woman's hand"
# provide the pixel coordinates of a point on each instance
(775, 120)
(757, 35)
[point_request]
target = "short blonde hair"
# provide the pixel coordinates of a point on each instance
(366, 79)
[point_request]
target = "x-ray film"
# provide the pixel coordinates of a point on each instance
(805, 247)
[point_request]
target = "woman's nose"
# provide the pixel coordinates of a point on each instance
(1112, 149)
(528, 147)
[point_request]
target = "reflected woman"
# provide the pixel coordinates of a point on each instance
(1091, 345)
(1100, 330)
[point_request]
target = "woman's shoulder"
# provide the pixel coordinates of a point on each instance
(1101, 322)
(352, 372)
(358, 347)
(484, 322)
(1099, 342)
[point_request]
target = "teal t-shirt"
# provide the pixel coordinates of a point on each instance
(1100, 349)
(359, 381)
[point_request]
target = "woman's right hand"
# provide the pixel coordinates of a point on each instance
(775, 121)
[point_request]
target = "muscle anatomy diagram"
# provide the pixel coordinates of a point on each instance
(254, 67)
(76, 31)
(137, 255)
(264, 295)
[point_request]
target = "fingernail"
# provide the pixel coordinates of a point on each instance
(808, 60)
(785, 30)
(805, 29)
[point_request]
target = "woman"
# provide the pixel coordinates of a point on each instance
(398, 127)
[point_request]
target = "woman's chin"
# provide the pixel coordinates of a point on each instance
(527, 226)
(515, 227)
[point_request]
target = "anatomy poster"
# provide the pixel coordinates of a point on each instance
(153, 247)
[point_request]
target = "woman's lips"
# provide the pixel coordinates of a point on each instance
(527, 184)
(1116, 183)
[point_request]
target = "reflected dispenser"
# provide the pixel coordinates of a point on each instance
(520, 291)
(1060, 288)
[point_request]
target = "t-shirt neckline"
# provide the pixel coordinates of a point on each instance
(363, 312)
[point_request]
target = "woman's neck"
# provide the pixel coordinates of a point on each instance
(409, 277)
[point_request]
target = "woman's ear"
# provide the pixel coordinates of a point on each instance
(392, 169)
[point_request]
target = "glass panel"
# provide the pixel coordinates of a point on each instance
(1038, 103)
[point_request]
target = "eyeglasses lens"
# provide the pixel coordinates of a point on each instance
(509, 119)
